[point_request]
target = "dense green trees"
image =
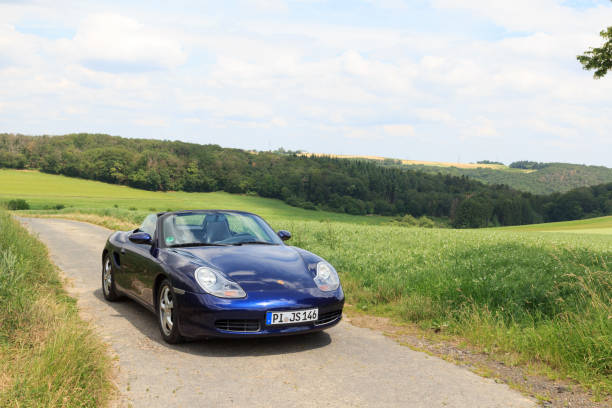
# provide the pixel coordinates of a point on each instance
(533, 177)
(351, 186)
(528, 165)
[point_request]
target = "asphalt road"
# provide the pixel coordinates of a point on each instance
(343, 366)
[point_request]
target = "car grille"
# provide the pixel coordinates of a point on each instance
(328, 317)
(236, 325)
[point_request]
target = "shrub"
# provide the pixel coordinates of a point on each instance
(18, 204)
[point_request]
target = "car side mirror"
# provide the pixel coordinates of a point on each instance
(284, 235)
(141, 238)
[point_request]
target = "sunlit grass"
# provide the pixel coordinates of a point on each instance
(48, 356)
(46, 191)
(600, 225)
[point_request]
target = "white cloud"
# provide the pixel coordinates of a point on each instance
(251, 80)
(480, 128)
(548, 16)
(399, 130)
(151, 122)
(433, 115)
(116, 43)
(269, 5)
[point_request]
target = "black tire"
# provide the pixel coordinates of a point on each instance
(166, 316)
(108, 280)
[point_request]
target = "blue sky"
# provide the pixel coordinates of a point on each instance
(443, 80)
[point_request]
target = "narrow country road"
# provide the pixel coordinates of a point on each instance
(344, 366)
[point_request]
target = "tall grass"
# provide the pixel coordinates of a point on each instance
(545, 297)
(48, 356)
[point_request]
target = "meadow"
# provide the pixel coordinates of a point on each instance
(540, 295)
(48, 192)
(600, 225)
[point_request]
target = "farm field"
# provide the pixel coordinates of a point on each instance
(421, 162)
(43, 191)
(600, 225)
(539, 298)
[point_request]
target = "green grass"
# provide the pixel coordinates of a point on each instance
(600, 225)
(44, 191)
(545, 298)
(48, 356)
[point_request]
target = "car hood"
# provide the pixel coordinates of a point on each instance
(256, 267)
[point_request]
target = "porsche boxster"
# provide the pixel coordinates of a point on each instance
(220, 273)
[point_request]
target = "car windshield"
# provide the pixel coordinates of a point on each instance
(216, 228)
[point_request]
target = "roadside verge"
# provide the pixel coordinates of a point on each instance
(48, 355)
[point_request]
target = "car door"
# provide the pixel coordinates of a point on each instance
(144, 266)
(141, 265)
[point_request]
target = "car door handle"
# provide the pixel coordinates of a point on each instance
(122, 251)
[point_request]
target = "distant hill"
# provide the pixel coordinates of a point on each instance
(358, 187)
(554, 177)
(536, 178)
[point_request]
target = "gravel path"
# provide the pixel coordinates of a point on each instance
(343, 366)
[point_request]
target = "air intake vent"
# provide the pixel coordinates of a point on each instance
(117, 259)
(235, 325)
(325, 318)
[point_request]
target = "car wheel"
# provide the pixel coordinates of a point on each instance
(108, 280)
(166, 307)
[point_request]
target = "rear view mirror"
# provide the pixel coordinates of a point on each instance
(141, 238)
(284, 235)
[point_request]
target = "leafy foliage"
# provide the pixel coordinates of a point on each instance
(528, 165)
(599, 58)
(18, 204)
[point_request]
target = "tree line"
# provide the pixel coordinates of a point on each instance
(350, 186)
(546, 179)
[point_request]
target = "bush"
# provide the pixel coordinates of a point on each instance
(410, 221)
(54, 207)
(18, 204)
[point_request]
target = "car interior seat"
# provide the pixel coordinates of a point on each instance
(215, 228)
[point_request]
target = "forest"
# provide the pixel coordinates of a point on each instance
(350, 186)
(533, 177)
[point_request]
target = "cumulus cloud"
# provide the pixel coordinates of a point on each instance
(116, 43)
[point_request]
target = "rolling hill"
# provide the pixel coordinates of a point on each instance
(546, 179)
(352, 186)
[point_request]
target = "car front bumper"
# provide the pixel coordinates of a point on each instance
(202, 315)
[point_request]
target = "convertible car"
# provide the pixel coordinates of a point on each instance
(218, 273)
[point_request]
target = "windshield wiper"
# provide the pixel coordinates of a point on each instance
(254, 243)
(194, 244)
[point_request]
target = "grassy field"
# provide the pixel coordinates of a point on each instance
(542, 298)
(48, 356)
(45, 191)
(601, 225)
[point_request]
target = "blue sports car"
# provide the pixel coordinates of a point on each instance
(218, 273)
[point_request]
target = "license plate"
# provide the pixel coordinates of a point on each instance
(295, 316)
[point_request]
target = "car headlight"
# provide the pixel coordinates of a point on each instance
(327, 278)
(214, 283)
